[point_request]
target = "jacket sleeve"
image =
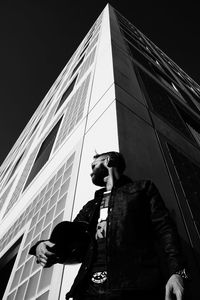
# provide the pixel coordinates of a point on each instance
(84, 214)
(165, 229)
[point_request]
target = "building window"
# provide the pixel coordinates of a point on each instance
(85, 47)
(15, 167)
(6, 266)
(66, 93)
(191, 122)
(161, 102)
(188, 173)
(152, 65)
(77, 66)
(43, 154)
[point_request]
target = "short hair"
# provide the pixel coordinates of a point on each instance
(116, 159)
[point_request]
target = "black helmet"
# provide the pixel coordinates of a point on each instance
(71, 241)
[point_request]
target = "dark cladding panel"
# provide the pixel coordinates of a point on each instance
(189, 175)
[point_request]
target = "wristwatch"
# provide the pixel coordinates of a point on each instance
(183, 274)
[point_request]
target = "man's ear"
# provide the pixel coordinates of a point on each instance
(109, 162)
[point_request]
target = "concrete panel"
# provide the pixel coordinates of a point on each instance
(103, 77)
(133, 104)
(139, 144)
(101, 106)
(124, 74)
(101, 137)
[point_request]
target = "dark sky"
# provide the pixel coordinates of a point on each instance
(38, 37)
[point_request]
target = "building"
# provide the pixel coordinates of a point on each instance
(119, 91)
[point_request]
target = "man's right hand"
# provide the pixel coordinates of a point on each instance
(44, 256)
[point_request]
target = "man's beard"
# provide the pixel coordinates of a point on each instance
(99, 175)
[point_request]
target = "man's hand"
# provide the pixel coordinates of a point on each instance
(174, 287)
(44, 256)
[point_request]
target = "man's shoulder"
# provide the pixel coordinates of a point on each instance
(138, 184)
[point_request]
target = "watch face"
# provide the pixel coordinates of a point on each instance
(183, 274)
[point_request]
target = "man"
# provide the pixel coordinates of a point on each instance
(125, 219)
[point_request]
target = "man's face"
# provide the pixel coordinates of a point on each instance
(99, 171)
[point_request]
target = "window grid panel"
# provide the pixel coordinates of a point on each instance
(21, 291)
(26, 282)
(5, 195)
(44, 296)
(86, 65)
(32, 286)
(50, 116)
(92, 44)
(28, 145)
(21, 181)
(11, 296)
(11, 232)
(72, 108)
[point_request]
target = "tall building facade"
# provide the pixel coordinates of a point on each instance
(120, 92)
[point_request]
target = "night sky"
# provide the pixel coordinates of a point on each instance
(38, 38)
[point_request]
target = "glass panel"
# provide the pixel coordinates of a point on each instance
(34, 220)
(53, 199)
(49, 216)
(38, 227)
(11, 296)
(189, 174)
(42, 192)
(35, 240)
(64, 187)
(35, 266)
(29, 237)
(16, 278)
(51, 182)
(45, 233)
(162, 103)
(70, 159)
(44, 296)
(30, 214)
(57, 184)
(67, 173)
(45, 279)
(66, 93)
(60, 172)
(58, 219)
(39, 204)
(61, 204)
(27, 268)
(32, 286)
(44, 153)
(21, 291)
(23, 255)
(43, 210)
(47, 195)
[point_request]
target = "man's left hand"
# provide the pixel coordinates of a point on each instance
(174, 287)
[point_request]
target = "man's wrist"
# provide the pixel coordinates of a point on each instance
(182, 273)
